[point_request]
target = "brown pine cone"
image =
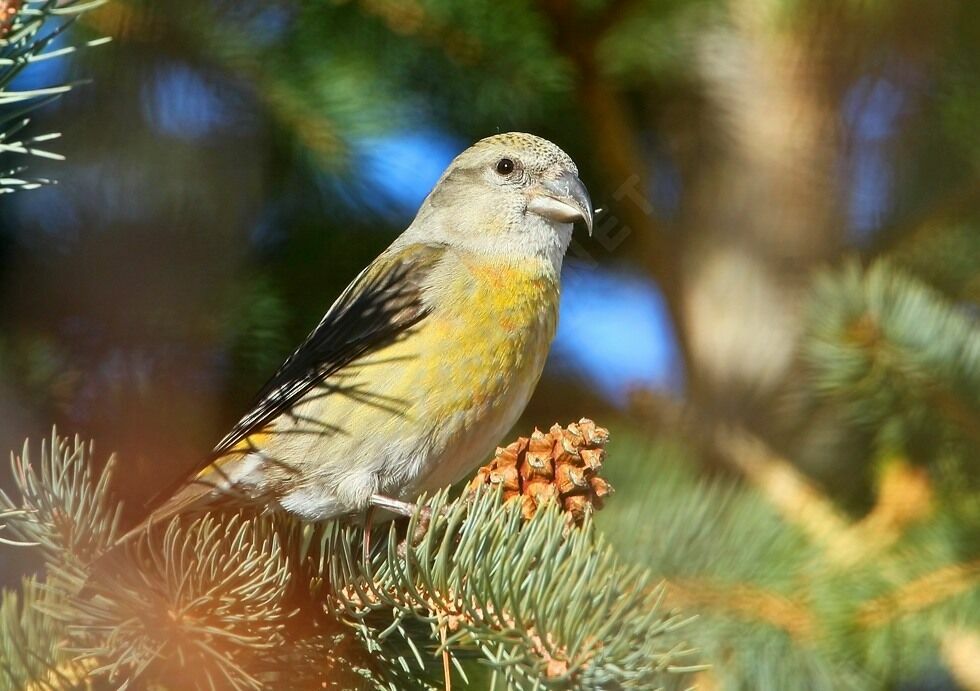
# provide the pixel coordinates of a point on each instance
(561, 464)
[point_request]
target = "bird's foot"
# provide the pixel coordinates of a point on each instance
(402, 508)
(421, 530)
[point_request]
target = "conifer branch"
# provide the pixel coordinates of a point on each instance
(926, 591)
(30, 657)
(540, 607)
(232, 601)
(798, 500)
(63, 505)
(748, 602)
(886, 346)
(26, 37)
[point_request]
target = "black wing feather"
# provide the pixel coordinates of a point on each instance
(378, 307)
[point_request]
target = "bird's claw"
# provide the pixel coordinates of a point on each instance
(422, 525)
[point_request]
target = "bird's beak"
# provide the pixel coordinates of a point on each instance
(563, 199)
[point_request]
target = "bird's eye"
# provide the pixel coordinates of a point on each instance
(505, 166)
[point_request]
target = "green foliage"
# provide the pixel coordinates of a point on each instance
(206, 594)
(234, 601)
(254, 327)
(656, 42)
(945, 258)
(822, 617)
(30, 640)
(546, 609)
(729, 558)
(897, 358)
(242, 601)
(63, 505)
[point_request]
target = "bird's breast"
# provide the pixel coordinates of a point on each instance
(493, 332)
(479, 355)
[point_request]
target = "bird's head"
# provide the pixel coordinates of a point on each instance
(511, 193)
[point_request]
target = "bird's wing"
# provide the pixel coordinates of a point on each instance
(378, 307)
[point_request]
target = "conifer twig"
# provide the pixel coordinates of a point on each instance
(925, 591)
(789, 491)
(28, 29)
(503, 587)
(748, 602)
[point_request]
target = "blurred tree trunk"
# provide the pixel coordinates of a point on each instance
(764, 208)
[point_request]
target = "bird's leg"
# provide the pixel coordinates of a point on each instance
(366, 542)
(405, 509)
(402, 508)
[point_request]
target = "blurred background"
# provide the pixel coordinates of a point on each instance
(233, 164)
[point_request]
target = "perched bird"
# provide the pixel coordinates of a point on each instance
(425, 361)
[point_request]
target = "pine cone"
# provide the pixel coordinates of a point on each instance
(562, 464)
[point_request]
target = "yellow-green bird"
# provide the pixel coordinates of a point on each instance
(426, 360)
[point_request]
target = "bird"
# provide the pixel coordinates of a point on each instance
(423, 362)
